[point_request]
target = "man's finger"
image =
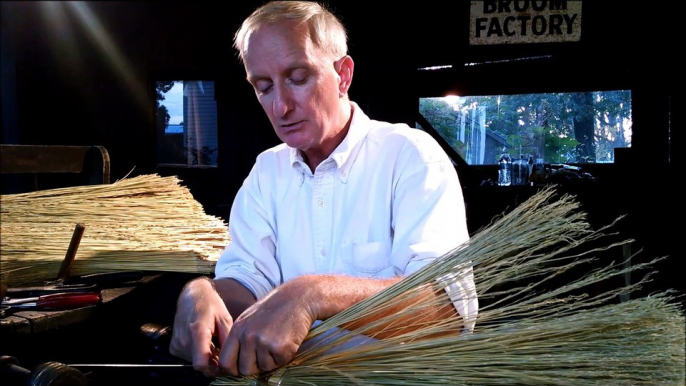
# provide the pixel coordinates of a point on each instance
(284, 356)
(201, 352)
(223, 329)
(228, 358)
(247, 359)
(177, 348)
(265, 360)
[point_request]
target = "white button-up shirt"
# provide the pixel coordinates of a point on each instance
(386, 202)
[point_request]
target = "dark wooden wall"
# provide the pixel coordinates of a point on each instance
(72, 83)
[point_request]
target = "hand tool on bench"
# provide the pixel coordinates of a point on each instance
(55, 286)
(65, 283)
(101, 279)
(68, 261)
(57, 301)
(86, 283)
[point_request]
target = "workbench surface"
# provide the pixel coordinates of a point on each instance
(32, 322)
(109, 332)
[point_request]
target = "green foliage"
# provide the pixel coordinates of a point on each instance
(564, 148)
(443, 119)
(543, 124)
(161, 113)
(161, 88)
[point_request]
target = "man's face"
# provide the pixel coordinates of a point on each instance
(296, 84)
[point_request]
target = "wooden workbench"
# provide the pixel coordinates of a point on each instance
(33, 322)
(109, 332)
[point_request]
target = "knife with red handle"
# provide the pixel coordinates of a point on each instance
(58, 301)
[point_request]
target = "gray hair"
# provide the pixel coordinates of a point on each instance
(326, 30)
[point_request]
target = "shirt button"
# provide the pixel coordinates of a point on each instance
(343, 174)
(323, 252)
(320, 202)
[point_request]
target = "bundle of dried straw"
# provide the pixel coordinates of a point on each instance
(525, 334)
(144, 223)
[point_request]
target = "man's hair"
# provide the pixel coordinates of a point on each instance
(326, 30)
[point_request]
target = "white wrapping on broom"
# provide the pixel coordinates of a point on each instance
(462, 292)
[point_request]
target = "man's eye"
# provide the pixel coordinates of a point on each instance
(264, 89)
(298, 81)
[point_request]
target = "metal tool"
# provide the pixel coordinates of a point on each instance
(66, 283)
(105, 279)
(63, 274)
(41, 290)
(58, 301)
(84, 283)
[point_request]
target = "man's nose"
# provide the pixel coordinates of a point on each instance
(283, 101)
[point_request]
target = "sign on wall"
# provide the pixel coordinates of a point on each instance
(512, 21)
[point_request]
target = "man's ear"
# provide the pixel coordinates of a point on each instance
(345, 68)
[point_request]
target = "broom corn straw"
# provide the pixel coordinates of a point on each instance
(529, 330)
(144, 223)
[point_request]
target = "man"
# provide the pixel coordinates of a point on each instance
(344, 208)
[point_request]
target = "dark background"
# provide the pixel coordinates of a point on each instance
(59, 86)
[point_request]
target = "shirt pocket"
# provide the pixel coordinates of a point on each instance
(368, 257)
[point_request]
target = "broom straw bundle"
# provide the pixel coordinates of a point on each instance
(530, 330)
(146, 223)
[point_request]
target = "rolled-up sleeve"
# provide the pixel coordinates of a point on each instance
(249, 257)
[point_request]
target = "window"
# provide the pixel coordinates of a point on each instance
(186, 123)
(572, 127)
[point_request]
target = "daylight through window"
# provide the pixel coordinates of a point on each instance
(572, 128)
(186, 120)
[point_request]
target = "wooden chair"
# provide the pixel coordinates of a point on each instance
(89, 164)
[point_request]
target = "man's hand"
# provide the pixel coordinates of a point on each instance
(268, 334)
(200, 315)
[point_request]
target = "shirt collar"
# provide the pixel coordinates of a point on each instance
(345, 153)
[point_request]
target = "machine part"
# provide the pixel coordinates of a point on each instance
(57, 374)
(153, 364)
(158, 334)
(45, 374)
